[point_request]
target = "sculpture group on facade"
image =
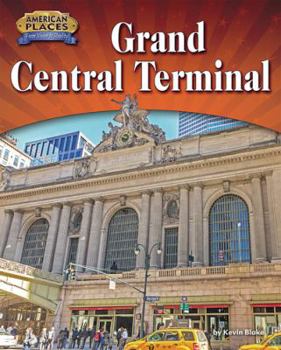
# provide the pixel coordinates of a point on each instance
(135, 128)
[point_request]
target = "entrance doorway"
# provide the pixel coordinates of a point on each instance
(106, 324)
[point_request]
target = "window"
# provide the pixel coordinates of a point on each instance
(158, 336)
(67, 145)
(34, 244)
(172, 336)
(229, 239)
(6, 154)
(16, 161)
(72, 252)
(188, 336)
(22, 163)
(121, 240)
(171, 248)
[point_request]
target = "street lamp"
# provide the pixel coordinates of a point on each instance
(239, 240)
(147, 253)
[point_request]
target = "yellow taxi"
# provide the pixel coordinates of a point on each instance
(272, 342)
(171, 339)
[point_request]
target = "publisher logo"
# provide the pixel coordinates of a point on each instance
(47, 26)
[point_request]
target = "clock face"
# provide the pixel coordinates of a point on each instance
(125, 137)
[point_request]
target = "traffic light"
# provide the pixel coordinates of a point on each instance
(70, 273)
(184, 308)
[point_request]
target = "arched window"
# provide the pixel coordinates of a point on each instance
(122, 238)
(34, 244)
(229, 231)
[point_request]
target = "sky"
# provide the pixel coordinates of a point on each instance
(90, 124)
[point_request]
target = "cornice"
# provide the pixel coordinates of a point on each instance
(154, 170)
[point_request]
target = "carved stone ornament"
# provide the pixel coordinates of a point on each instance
(84, 167)
(75, 220)
(171, 208)
(135, 128)
(226, 186)
(4, 179)
(122, 200)
(170, 153)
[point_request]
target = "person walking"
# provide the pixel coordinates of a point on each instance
(51, 338)
(43, 340)
(74, 337)
(65, 337)
(124, 337)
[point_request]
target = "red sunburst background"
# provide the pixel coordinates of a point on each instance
(242, 33)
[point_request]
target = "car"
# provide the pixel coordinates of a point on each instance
(272, 342)
(171, 338)
(7, 340)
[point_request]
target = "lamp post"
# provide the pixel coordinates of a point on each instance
(147, 253)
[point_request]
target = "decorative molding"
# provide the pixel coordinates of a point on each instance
(75, 220)
(122, 200)
(38, 212)
(170, 153)
(226, 186)
(171, 198)
(133, 174)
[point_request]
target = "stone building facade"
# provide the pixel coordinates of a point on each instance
(215, 198)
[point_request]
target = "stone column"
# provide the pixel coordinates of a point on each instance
(61, 243)
(259, 219)
(198, 225)
(52, 238)
(183, 227)
(6, 229)
(11, 246)
(143, 228)
(155, 233)
(274, 194)
(95, 235)
(84, 234)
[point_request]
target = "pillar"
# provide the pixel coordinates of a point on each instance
(197, 249)
(274, 202)
(183, 227)
(61, 243)
(52, 238)
(258, 219)
(143, 227)
(6, 229)
(84, 234)
(155, 234)
(93, 258)
(11, 246)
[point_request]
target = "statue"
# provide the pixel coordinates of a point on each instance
(129, 105)
(4, 180)
(135, 128)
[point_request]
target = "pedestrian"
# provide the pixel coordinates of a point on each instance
(43, 340)
(60, 339)
(74, 337)
(90, 334)
(51, 338)
(83, 337)
(65, 337)
(118, 336)
(208, 336)
(124, 337)
(30, 339)
(97, 339)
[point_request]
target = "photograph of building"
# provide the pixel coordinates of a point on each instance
(199, 124)
(206, 209)
(59, 148)
(11, 155)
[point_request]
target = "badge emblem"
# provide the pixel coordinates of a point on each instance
(47, 26)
